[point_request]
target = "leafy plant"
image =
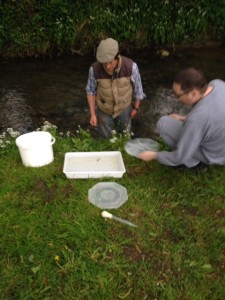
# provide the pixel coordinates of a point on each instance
(35, 28)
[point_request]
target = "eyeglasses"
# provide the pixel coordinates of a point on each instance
(181, 95)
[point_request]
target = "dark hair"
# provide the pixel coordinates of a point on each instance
(191, 78)
(117, 55)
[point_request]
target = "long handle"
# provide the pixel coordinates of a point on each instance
(123, 221)
(105, 214)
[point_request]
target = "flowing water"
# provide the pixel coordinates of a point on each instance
(54, 89)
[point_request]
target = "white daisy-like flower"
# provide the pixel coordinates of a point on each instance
(14, 134)
(113, 139)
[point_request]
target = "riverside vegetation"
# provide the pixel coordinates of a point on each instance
(53, 27)
(55, 244)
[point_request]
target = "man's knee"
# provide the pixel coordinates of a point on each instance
(161, 124)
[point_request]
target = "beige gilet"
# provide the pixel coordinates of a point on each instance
(114, 92)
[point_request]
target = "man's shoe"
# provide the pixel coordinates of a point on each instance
(200, 167)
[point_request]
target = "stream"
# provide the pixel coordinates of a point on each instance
(34, 90)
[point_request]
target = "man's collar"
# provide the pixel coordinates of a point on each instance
(115, 72)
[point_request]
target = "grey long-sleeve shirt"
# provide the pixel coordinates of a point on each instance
(203, 130)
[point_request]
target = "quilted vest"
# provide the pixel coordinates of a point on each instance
(114, 92)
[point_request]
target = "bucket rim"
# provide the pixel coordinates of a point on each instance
(23, 142)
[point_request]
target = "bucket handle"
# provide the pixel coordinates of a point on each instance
(53, 141)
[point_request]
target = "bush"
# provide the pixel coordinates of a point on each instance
(34, 27)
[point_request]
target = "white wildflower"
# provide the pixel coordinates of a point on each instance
(113, 139)
(9, 130)
(2, 136)
(47, 125)
(14, 134)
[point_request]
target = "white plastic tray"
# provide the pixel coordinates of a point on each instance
(93, 164)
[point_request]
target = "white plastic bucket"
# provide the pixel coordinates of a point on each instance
(36, 148)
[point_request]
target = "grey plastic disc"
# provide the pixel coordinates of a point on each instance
(136, 146)
(107, 195)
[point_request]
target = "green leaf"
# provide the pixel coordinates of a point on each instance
(207, 267)
(31, 258)
(36, 269)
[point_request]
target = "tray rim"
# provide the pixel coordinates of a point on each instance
(94, 172)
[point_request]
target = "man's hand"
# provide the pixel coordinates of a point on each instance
(93, 120)
(177, 117)
(134, 113)
(148, 155)
(92, 105)
(135, 109)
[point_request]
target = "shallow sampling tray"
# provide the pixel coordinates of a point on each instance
(93, 164)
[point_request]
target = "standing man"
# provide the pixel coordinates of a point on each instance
(197, 139)
(113, 82)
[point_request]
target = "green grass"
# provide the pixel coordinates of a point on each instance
(176, 252)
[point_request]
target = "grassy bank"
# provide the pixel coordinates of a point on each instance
(55, 244)
(55, 27)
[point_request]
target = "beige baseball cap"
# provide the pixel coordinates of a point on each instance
(107, 50)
